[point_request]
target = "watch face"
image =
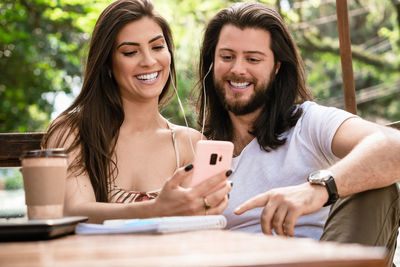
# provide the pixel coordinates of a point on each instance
(320, 176)
(325, 178)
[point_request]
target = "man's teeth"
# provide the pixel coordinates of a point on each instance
(239, 85)
(148, 77)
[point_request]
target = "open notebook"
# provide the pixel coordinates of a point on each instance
(153, 225)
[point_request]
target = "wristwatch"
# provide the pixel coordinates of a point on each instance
(325, 178)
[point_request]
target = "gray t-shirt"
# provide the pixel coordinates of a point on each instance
(307, 148)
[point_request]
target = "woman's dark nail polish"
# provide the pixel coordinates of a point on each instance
(228, 196)
(228, 173)
(188, 167)
(231, 183)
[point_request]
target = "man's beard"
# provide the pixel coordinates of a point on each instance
(256, 101)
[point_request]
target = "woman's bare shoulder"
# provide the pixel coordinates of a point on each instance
(186, 138)
(185, 132)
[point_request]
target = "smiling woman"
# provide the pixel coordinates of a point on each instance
(141, 66)
(121, 149)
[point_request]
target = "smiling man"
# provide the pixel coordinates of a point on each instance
(240, 93)
(293, 158)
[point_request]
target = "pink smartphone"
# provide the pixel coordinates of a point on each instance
(211, 158)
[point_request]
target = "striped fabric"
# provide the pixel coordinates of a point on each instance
(118, 195)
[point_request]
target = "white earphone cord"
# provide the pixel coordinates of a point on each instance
(205, 101)
(183, 110)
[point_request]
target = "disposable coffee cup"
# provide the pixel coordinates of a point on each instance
(44, 173)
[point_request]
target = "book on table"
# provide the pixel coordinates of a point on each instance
(153, 225)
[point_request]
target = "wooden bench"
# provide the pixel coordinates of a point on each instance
(12, 145)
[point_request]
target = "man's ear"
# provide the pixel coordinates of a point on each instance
(277, 67)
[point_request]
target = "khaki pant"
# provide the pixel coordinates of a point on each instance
(369, 218)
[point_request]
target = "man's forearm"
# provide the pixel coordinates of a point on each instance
(373, 163)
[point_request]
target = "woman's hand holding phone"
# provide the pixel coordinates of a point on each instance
(176, 200)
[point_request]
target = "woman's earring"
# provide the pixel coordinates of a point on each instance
(109, 74)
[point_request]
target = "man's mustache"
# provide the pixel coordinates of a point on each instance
(239, 79)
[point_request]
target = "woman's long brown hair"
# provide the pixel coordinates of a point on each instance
(96, 115)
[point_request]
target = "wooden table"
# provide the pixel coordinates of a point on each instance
(196, 248)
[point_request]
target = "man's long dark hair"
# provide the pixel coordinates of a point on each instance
(96, 115)
(279, 112)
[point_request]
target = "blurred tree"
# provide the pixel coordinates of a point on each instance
(374, 29)
(40, 49)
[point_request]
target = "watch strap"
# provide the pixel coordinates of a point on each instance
(330, 186)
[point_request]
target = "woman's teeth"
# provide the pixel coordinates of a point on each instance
(148, 77)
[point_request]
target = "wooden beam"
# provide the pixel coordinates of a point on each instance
(345, 56)
(12, 145)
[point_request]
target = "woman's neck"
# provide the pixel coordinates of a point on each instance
(141, 117)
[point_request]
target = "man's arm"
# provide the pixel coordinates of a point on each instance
(371, 156)
(370, 159)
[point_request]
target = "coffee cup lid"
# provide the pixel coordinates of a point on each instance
(45, 153)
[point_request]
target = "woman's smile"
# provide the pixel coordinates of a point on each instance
(149, 78)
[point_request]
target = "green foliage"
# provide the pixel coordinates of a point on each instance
(374, 29)
(13, 180)
(39, 47)
(14, 183)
